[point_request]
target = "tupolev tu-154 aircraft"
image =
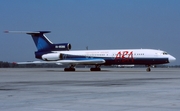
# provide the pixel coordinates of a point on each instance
(61, 54)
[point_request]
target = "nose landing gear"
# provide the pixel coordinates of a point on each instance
(148, 68)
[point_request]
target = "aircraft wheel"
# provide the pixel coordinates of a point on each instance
(69, 69)
(95, 69)
(148, 69)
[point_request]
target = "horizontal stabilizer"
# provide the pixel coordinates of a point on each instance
(28, 32)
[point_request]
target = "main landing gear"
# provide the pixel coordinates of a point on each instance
(71, 68)
(96, 68)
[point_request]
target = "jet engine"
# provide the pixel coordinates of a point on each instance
(52, 56)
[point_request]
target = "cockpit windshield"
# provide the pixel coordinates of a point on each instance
(165, 53)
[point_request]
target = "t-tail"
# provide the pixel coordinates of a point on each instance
(43, 44)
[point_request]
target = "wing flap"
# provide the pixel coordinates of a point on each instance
(89, 61)
(64, 62)
(38, 62)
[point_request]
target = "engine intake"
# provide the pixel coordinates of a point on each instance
(51, 57)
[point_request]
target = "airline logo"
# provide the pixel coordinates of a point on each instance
(124, 56)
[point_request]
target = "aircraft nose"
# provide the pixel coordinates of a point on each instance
(171, 58)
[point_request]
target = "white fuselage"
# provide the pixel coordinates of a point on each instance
(121, 56)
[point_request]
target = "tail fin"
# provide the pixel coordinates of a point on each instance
(42, 43)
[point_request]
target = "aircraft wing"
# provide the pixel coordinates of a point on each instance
(66, 62)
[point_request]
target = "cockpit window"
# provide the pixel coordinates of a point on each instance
(165, 53)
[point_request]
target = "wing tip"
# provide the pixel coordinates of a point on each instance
(6, 31)
(14, 63)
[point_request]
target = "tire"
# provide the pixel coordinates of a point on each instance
(148, 69)
(95, 69)
(69, 69)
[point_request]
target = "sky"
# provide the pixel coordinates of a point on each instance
(98, 24)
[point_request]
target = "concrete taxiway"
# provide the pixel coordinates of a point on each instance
(113, 89)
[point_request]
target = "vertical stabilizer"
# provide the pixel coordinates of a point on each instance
(43, 44)
(41, 41)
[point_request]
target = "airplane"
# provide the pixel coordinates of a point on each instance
(61, 54)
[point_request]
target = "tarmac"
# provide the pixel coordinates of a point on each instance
(112, 89)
